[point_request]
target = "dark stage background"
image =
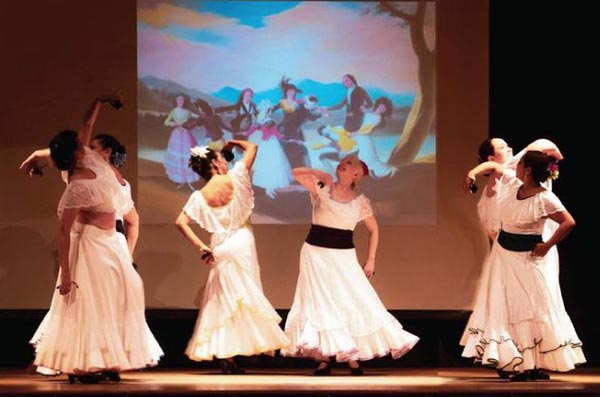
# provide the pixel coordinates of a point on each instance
(538, 83)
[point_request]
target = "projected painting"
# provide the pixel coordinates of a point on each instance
(308, 82)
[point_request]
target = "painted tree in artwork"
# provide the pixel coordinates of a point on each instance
(422, 114)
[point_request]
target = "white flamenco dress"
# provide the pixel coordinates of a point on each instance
(336, 311)
(235, 317)
(101, 324)
(517, 324)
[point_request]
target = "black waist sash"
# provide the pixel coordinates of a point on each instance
(518, 242)
(329, 237)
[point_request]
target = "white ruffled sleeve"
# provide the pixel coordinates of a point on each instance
(201, 213)
(547, 203)
(193, 208)
(239, 173)
(80, 194)
(364, 208)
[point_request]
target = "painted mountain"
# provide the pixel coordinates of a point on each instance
(329, 94)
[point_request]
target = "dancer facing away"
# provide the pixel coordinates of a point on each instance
(517, 326)
(235, 317)
(96, 325)
(336, 312)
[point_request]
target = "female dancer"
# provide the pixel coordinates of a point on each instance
(96, 324)
(235, 317)
(336, 312)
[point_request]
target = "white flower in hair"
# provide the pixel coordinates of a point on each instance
(199, 151)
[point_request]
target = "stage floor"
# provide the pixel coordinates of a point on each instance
(377, 381)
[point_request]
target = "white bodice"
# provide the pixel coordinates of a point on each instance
(97, 194)
(225, 220)
(331, 213)
(526, 216)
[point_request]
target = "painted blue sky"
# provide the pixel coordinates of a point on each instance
(208, 45)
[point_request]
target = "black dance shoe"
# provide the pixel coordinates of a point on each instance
(537, 374)
(503, 374)
(358, 371)
(231, 368)
(323, 371)
(112, 376)
(520, 377)
(90, 378)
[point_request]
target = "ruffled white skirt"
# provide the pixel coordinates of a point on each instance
(336, 311)
(235, 317)
(519, 321)
(101, 324)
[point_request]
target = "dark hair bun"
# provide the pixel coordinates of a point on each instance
(227, 155)
(63, 149)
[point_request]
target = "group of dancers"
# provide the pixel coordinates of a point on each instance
(96, 328)
(519, 324)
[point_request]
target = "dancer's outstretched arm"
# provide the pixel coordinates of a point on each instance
(91, 115)
(41, 158)
(488, 167)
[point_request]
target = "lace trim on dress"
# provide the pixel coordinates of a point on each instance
(80, 194)
(360, 203)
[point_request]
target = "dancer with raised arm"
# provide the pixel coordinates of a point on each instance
(235, 317)
(336, 313)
